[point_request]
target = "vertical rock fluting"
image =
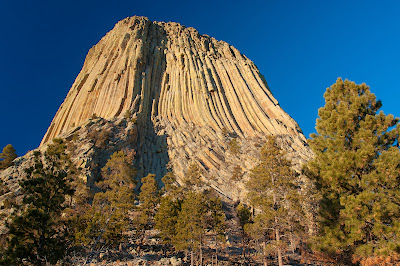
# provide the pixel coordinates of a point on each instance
(189, 92)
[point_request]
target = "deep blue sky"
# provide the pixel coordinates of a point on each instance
(301, 47)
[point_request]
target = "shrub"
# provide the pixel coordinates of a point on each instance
(234, 146)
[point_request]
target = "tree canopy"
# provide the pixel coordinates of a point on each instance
(37, 231)
(149, 197)
(7, 156)
(274, 192)
(108, 217)
(357, 171)
(185, 215)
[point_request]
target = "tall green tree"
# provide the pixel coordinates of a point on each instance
(190, 224)
(149, 198)
(167, 217)
(109, 216)
(37, 231)
(170, 206)
(7, 156)
(149, 195)
(244, 215)
(274, 192)
(171, 186)
(215, 220)
(77, 213)
(184, 215)
(357, 171)
(200, 213)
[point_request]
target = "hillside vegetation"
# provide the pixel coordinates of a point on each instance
(342, 208)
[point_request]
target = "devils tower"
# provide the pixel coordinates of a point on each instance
(188, 95)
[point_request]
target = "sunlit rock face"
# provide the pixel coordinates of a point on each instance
(188, 96)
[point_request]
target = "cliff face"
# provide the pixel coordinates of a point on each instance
(188, 96)
(168, 71)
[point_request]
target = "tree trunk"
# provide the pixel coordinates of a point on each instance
(201, 250)
(264, 255)
(278, 242)
(277, 237)
(216, 251)
(243, 247)
(292, 243)
(186, 255)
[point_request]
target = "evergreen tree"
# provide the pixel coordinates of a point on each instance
(215, 220)
(357, 171)
(167, 217)
(274, 192)
(185, 215)
(192, 178)
(170, 206)
(108, 216)
(77, 212)
(199, 213)
(37, 231)
(244, 215)
(190, 224)
(149, 197)
(7, 156)
(171, 186)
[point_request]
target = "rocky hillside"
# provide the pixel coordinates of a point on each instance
(175, 97)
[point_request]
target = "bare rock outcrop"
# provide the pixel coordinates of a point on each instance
(189, 96)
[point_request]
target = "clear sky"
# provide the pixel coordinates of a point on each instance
(300, 46)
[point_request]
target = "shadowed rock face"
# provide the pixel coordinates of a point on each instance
(189, 94)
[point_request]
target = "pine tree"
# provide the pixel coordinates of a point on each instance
(244, 215)
(108, 218)
(274, 192)
(171, 186)
(192, 178)
(37, 231)
(190, 223)
(357, 171)
(167, 217)
(170, 206)
(7, 156)
(77, 213)
(215, 220)
(185, 215)
(149, 197)
(199, 213)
